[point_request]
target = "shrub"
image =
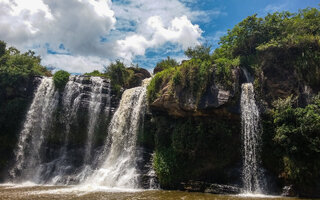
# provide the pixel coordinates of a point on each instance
(165, 64)
(297, 136)
(60, 79)
(165, 165)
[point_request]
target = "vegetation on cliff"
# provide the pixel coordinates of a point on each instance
(292, 142)
(122, 76)
(192, 76)
(292, 41)
(193, 148)
(282, 51)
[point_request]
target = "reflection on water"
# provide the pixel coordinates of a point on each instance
(18, 192)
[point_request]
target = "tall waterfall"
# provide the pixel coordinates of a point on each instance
(37, 122)
(251, 140)
(118, 168)
(54, 147)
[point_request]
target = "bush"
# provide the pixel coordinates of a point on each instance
(60, 79)
(297, 140)
(165, 64)
(165, 165)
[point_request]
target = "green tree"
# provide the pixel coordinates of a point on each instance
(165, 64)
(117, 73)
(60, 79)
(201, 52)
(2, 48)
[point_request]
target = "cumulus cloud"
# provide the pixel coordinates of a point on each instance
(66, 33)
(75, 64)
(180, 31)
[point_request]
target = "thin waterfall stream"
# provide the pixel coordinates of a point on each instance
(251, 175)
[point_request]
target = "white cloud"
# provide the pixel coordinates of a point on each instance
(96, 30)
(75, 64)
(78, 24)
(180, 31)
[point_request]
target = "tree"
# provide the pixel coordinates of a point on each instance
(117, 73)
(60, 79)
(165, 64)
(2, 48)
(201, 52)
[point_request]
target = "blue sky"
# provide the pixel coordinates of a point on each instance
(83, 35)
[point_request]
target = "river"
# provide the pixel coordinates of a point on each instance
(34, 192)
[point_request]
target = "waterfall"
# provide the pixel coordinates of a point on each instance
(251, 140)
(55, 171)
(46, 151)
(118, 168)
(37, 122)
(94, 110)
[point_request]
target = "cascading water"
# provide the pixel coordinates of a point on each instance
(46, 151)
(251, 175)
(119, 157)
(37, 122)
(94, 110)
(55, 171)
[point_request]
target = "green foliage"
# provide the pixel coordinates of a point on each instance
(122, 76)
(297, 138)
(193, 148)
(165, 164)
(60, 79)
(159, 80)
(2, 48)
(95, 73)
(15, 67)
(117, 73)
(16, 75)
(254, 39)
(193, 76)
(165, 64)
(201, 52)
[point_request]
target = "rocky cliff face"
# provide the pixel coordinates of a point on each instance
(216, 100)
(196, 139)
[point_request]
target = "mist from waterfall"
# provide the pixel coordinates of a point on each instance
(251, 175)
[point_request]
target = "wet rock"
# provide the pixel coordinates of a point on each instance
(200, 186)
(288, 191)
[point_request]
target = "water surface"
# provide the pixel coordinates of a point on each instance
(25, 192)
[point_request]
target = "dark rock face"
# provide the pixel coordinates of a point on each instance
(200, 186)
(138, 76)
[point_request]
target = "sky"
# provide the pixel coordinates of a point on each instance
(84, 35)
